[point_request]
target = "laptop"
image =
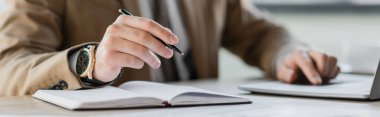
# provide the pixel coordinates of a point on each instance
(345, 86)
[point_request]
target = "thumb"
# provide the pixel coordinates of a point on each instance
(286, 74)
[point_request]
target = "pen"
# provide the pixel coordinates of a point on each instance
(125, 12)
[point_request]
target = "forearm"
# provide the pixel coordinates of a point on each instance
(23, 72)
(276, 45)
(255, 37)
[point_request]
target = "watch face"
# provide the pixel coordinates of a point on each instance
(83, 62)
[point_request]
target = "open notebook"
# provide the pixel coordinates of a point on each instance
(136, 94)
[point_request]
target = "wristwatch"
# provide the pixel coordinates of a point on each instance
(86, 62)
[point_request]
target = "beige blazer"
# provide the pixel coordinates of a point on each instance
(36, 37)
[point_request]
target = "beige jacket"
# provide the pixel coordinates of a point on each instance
(37, 36)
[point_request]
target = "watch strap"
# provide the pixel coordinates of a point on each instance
(91, 83)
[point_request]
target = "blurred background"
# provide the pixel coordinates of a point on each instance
(347, 29)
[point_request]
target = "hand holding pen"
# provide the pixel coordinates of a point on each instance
(125, 12)
(131, 42)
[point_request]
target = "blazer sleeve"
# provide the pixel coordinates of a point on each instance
(254, 37)
(30, 35)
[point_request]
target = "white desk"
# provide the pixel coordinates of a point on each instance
(263, 105)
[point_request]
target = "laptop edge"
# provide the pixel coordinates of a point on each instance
(374, 93)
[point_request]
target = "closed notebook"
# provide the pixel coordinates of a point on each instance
(136, 94)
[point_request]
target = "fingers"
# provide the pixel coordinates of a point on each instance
(326, 65)
(336, 72)
(109, 63)
(318, 67)
(147, 40)
(321, 61)
(120, 31)
(149, 26)
(125, 60)
(306, 65)
(333, 69)
(286, 74)
(134, 49)
(129, 42)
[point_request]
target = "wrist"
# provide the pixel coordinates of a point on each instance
(105, 74)
(84, 65)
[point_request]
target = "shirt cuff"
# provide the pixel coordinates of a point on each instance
(280, 59)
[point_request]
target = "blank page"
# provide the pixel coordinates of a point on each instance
(105, 97)
(180, 95)
(160, 90)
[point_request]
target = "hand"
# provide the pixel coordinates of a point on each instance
(317, 66)
(130, 42)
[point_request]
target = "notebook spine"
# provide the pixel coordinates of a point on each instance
(166, 104)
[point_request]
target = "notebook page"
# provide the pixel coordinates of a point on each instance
(94, 98)
(160, 90)
(202, 98)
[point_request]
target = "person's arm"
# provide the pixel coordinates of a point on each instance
(261, 42)
(30, 33)
(254, 37)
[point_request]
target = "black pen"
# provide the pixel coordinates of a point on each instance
(125, 12)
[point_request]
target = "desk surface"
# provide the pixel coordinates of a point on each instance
(263, 105)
